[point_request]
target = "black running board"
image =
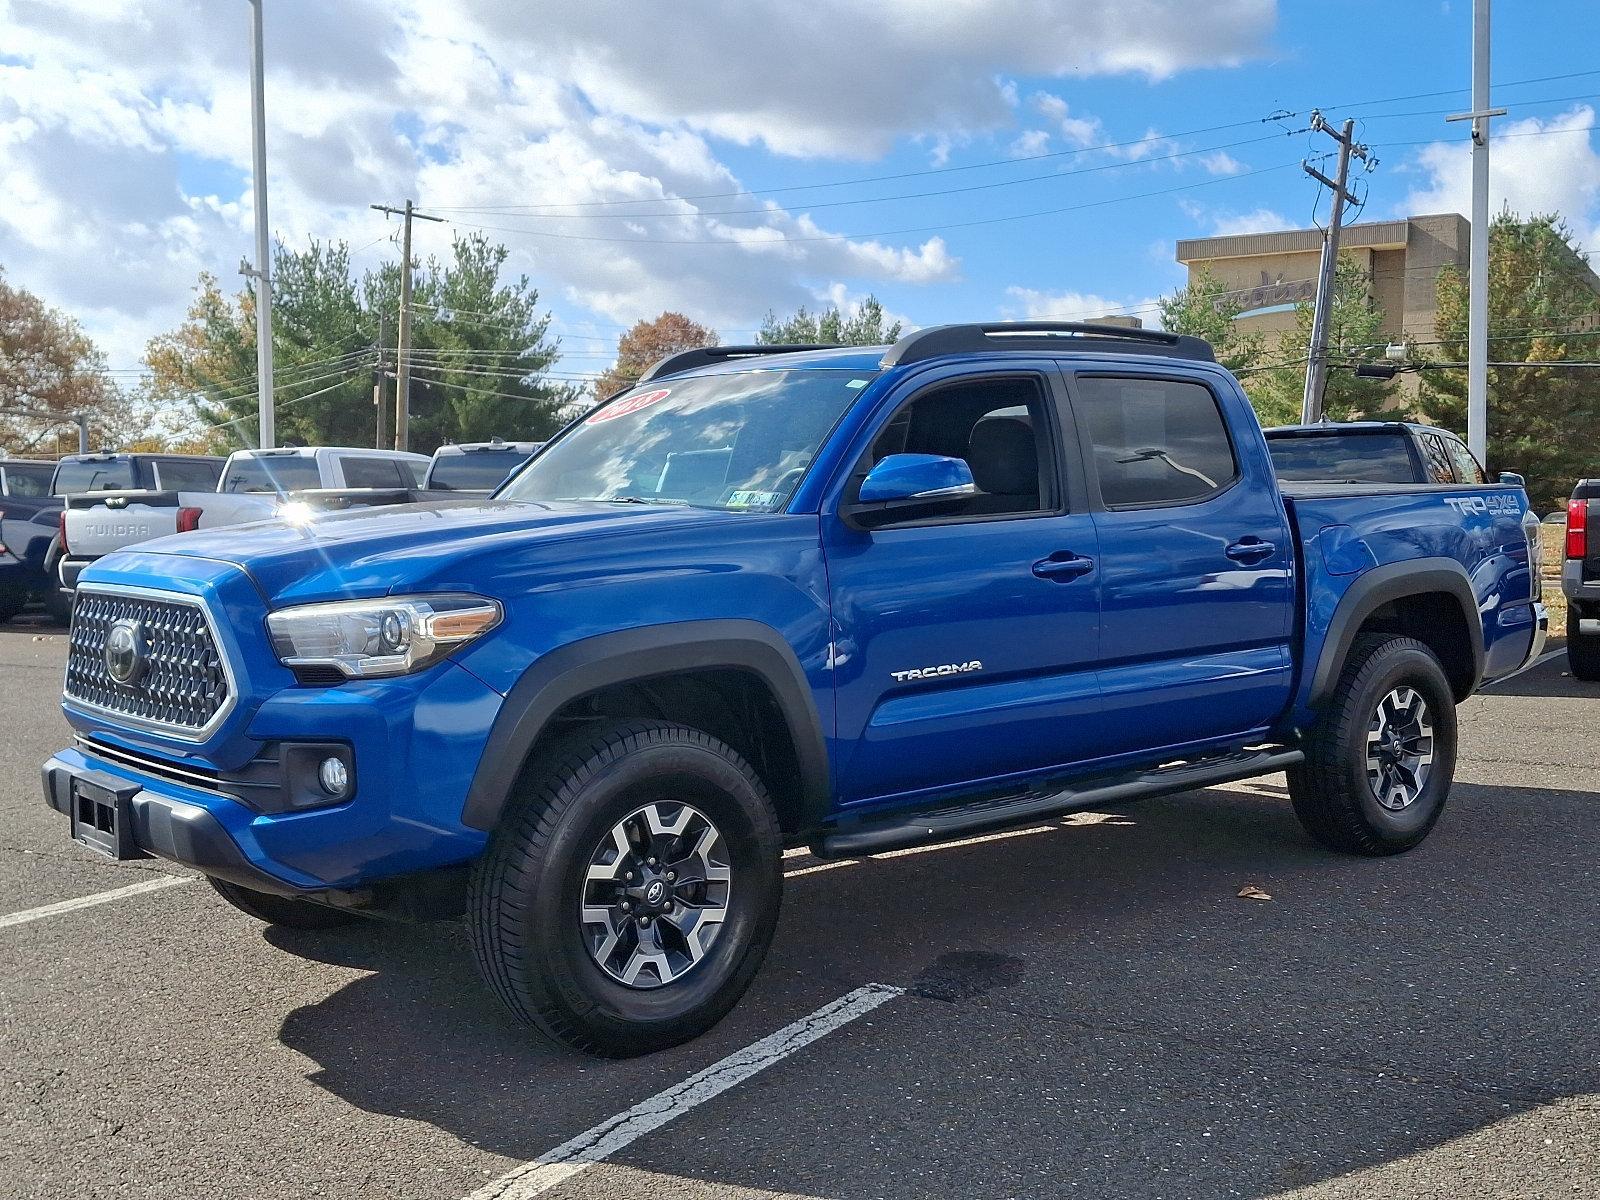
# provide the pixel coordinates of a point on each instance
(978, 816)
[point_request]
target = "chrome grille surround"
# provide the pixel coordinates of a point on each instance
(186, 689)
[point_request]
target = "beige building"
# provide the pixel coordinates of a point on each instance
(1272, 272)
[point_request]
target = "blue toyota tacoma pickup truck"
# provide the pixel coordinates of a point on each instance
(847, 598)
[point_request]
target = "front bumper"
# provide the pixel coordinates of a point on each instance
(166, 827)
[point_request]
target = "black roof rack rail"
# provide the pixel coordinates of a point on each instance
(939, 340)
(700, 356)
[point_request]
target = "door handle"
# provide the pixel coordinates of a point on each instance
(1063, 565)
(1250, 550)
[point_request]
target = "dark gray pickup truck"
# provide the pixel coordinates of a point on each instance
(1580, 580)
(1372, 452)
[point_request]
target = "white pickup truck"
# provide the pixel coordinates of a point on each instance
(255, 485)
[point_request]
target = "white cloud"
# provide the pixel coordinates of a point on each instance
(1076, 131)
(1030, 144)
(1228, 223)
(125, 135)
(1538, 165)
(1032, 304)
(1220, 162)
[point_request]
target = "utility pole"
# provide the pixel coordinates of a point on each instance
(1478, 251)
(263, 268)
(402, 397)
(1317, 355)
(379, 372)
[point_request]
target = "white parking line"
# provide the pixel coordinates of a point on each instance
(616, 1133)
(66, 906)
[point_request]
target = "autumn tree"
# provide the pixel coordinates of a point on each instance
(48, 367)
(648, 342)
(1543, 308)
(867, 326)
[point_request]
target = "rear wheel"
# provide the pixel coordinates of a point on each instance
(58, 605)
(12, 602)
(1583, 649)
(631, 891)
(281, 910)
(1381, 758)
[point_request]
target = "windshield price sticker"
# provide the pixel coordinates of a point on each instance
(749, 499)
(625, 408)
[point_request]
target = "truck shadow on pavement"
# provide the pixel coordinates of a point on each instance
(1091, 1006)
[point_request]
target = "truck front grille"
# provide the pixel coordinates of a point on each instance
(180, 684)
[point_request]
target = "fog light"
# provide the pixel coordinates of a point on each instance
(334, 777)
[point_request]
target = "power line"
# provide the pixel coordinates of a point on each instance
(846, 237)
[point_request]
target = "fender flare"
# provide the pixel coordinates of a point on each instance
(631, 655)
(1380, 585)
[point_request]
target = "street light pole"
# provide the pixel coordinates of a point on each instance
(1478, 251)
(263, 267)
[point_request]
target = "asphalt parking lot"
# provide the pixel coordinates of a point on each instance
(1083, 1008)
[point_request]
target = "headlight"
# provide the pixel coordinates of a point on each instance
(371, 638)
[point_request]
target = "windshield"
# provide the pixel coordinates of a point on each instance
(288, 473)
(106, 475)
(740, 441)
(476, 470)
(1347, 457)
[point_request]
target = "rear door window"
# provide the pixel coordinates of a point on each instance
(1467, 468)
(374, 473)
(1436, 459)
(1154, 441)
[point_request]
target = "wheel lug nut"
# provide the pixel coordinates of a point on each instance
(650, 862)
(672, 876)
(628, 877)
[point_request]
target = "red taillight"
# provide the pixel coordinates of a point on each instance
(188, 520)
(61, 523)
(1577, 528)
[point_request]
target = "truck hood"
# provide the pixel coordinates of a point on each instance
(370, 552)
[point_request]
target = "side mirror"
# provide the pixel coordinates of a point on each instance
(907, 481)
(1513, 479)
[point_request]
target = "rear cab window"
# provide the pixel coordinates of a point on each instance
(95, 475)
(1383, 457)
(178, 475)
(474, 470)
(1154, 441)
(26, 479)
(278, 473)
(1467, 468)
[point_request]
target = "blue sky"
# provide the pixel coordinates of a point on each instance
(649, 137)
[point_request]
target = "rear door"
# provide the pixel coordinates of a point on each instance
(1197, 585)
(964, 643)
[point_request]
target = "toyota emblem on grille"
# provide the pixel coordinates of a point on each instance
(125, 652)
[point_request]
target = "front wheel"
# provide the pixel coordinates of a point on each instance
(631, 891)
(1381, 758)
(1583, 649)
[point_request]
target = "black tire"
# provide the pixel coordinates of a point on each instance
(530, 886)
(1583, 649)
(1332, 793)
(12, 602)
(281, 910)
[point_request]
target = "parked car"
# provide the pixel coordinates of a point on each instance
(254, 485)
(855, 599)
(1580, 580)
(476, 468)
(30, 522)
(1371, 452)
